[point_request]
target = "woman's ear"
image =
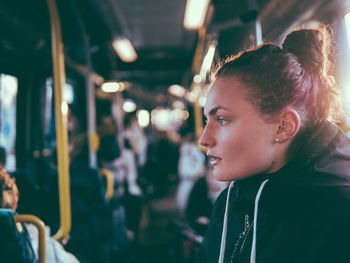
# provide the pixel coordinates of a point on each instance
(288, 125)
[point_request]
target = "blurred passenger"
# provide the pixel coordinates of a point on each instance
(190, 167)
(9, 191)
(109, 155)
(106, 127)
(128, 194)
(133, 194)
(15, 246)
(90, 237)
(55, 252)
(2, 157)
(138, 140)
(128, 165)
(160, 171)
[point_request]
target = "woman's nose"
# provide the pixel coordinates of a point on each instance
(206, 138)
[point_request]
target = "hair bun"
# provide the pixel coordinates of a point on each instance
(311, 47)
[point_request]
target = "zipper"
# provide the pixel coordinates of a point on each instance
(241, 241)
(244, 242)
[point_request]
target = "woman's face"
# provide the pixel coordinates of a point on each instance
(9, 191)
(239, 141)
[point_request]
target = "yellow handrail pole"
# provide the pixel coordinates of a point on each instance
(109, 182)
(196, 64)
(61, 124)
(197, 58)
(198, 115)
(41, 230)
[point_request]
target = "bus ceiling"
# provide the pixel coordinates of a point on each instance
(164, 47)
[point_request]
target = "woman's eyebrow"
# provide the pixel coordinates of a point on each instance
(214, 110)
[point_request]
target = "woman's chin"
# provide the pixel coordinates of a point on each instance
(219, 176)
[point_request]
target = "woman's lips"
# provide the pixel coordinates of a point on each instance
(214, 160)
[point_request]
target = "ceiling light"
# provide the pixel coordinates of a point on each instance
(68, 93)
(129, 106)
(208, 60)
(64, 107)
(177, 90)
(202, 100)
(143, 118)
(195, 13)
(197, 79)
(110, 87)
(161, 118)
(192, 96)
(124, 49)
(178, 105)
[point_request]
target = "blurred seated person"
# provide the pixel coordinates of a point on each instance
(2, 157)
(201, 200)
(160, 171)
(126, 201)
(137, 139)
(191, 165)
(55, 252)
(133, 195)
(91, 215)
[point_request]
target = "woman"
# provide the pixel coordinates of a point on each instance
(268, 130)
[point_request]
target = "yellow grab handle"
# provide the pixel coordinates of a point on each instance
(41, 229)
(61, 124)
(109, 181)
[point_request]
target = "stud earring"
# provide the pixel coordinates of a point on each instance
(276, 140)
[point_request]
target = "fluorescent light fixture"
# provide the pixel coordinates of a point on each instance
(202, 100)
(161, 118)
(68, 93)
(346, 78)
(143, 117)
(124, 49)
(176, 115)
(177, 90)
(208, 60)
(195, 13)
(129, 106)
(347, 25)
(191, 96)
(258, 33)
(64, 108)
(197, 79)
(112, 86)
(178, 105)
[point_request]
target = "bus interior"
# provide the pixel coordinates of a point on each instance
(72, 105)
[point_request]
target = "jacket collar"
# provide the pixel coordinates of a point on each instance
(321, 162)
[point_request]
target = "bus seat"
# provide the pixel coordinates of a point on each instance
(15, 244)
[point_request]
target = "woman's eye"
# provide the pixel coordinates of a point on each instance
(222, 121)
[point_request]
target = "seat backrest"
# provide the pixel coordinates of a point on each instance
(15, 244)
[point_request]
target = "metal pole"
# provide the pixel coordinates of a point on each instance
(61, 124)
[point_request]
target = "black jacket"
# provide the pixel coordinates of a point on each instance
(303, 211)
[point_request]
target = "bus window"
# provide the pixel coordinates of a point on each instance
(49, 127)
(8, 98)
(68, 98)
